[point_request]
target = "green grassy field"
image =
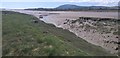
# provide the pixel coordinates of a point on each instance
(23, 37)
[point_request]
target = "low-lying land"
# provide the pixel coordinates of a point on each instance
(26, 35)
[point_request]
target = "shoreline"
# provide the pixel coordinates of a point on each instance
(60, 26)
(52, 35)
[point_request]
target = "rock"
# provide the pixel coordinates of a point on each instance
(35, 21)
(40, 16)
(65, 23)
(115, 42)
(116, 48)
(118, 42)
(117, 37)
(107, 41)
(67, 20)
(69, 40)
(45, 31)
(101, 33)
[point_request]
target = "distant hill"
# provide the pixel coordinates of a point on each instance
(70, 7)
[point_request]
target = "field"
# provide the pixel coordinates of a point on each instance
(25, 35)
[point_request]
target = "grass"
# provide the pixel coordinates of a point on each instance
(23, 37)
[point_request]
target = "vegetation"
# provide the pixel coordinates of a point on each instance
(24, 37)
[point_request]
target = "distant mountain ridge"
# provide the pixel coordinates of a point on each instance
(70, 7)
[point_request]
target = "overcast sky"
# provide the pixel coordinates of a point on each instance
(54, 3)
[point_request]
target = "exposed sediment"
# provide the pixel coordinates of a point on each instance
(98, 31)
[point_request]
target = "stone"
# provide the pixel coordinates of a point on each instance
(35, 21)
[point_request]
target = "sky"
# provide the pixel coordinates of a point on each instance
(22, 4)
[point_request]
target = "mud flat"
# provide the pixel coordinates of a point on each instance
(98, 32)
